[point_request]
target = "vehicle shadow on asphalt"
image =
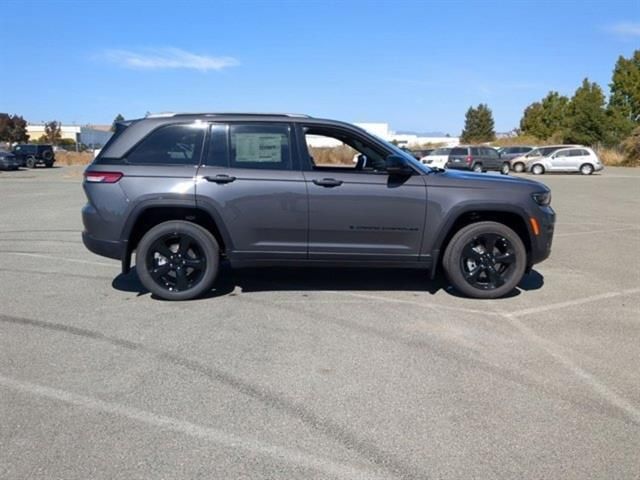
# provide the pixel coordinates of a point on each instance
(324, 279)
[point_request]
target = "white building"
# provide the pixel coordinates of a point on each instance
(86, 134)
(383, 131)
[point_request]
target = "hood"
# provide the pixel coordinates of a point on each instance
(458, 179)
(6, 154)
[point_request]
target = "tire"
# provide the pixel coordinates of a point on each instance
(537, 169)
(163, 274)
(472, 269)
(505, 169)
(30, 162)
(518, 167)
(586, 169)
(47, 156)
(477, 168)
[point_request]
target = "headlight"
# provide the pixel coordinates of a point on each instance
(542, 198)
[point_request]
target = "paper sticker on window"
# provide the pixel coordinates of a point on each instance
(258, 147)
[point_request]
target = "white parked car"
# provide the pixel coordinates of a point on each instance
(438, 158)
(574, 159)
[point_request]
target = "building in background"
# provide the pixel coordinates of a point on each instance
(93, 136)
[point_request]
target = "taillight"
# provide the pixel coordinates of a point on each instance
(102, 177)
(469, 159)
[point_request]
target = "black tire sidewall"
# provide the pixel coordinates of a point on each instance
(476, 169)
(518, 167)
(451, 259)
(537, 167)
(30, 162)
(505, 169)
(206, 242)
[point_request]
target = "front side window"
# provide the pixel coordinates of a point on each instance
(563, 153)
(265, 147)
(338, 149)
(170, 145)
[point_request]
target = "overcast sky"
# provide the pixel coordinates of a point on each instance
(417, 65)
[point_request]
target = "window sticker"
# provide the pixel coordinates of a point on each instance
(258, 147)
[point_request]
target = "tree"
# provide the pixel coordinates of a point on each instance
(13, 128)
(545, 118)
(478, 125)
(119, 118)
(631, 148)
(52, 132)
(624, 101)
(587, 120)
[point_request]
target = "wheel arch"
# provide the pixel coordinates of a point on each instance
(511, 217)
(149, 214)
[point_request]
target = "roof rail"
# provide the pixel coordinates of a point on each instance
(226, 114)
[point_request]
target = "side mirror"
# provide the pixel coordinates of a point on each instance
(397, 165)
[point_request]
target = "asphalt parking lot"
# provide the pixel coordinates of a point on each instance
(289, 374)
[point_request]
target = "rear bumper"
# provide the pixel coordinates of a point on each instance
(105, 248)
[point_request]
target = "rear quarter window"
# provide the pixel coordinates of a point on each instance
(459, 151)
(170, 145)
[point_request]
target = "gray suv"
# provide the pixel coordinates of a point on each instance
(477, 158)
(184, 191)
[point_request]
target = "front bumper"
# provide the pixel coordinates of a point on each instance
(541, 243)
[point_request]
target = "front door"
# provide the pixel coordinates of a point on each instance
(356, 210)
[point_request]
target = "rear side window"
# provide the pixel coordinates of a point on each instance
(579, 153)
(265, 147)
(459, 151)
(170, 145)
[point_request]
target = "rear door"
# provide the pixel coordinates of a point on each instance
(251, 181)
(578, 157)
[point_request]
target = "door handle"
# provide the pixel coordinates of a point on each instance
(220, 179)
(328, 182)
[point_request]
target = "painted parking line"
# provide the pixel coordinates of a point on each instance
(57, 258)
(283, 454)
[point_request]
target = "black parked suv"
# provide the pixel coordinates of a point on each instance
(477, 159)
(31, 155)
(184, 191)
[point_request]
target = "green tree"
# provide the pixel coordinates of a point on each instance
(631, 148)
(545, 118)
(52, 132)
(624, 101)
(119, 118)
(587, 122)
(13, 128)
(478, 125)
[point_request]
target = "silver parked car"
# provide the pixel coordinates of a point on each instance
(577, 159)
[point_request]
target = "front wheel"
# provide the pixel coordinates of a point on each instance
(485, 260)
(504, 170)
(177, 260)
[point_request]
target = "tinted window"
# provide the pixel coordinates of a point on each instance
(579, 153)
(170, 145)
(563, 153)
(459, 151)
(218, 154)
(260, 146)
(548, 150)
(491, 153)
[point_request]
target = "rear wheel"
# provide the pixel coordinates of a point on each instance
(537, 169)
(504, 170)
(177, 260)
(30, 162)
(485, 260)
(477, 168)
(518, 167)
(586, 169)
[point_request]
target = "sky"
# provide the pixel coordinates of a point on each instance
(416, 65)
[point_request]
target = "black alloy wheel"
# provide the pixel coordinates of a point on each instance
(485, 260)
(177, 260)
